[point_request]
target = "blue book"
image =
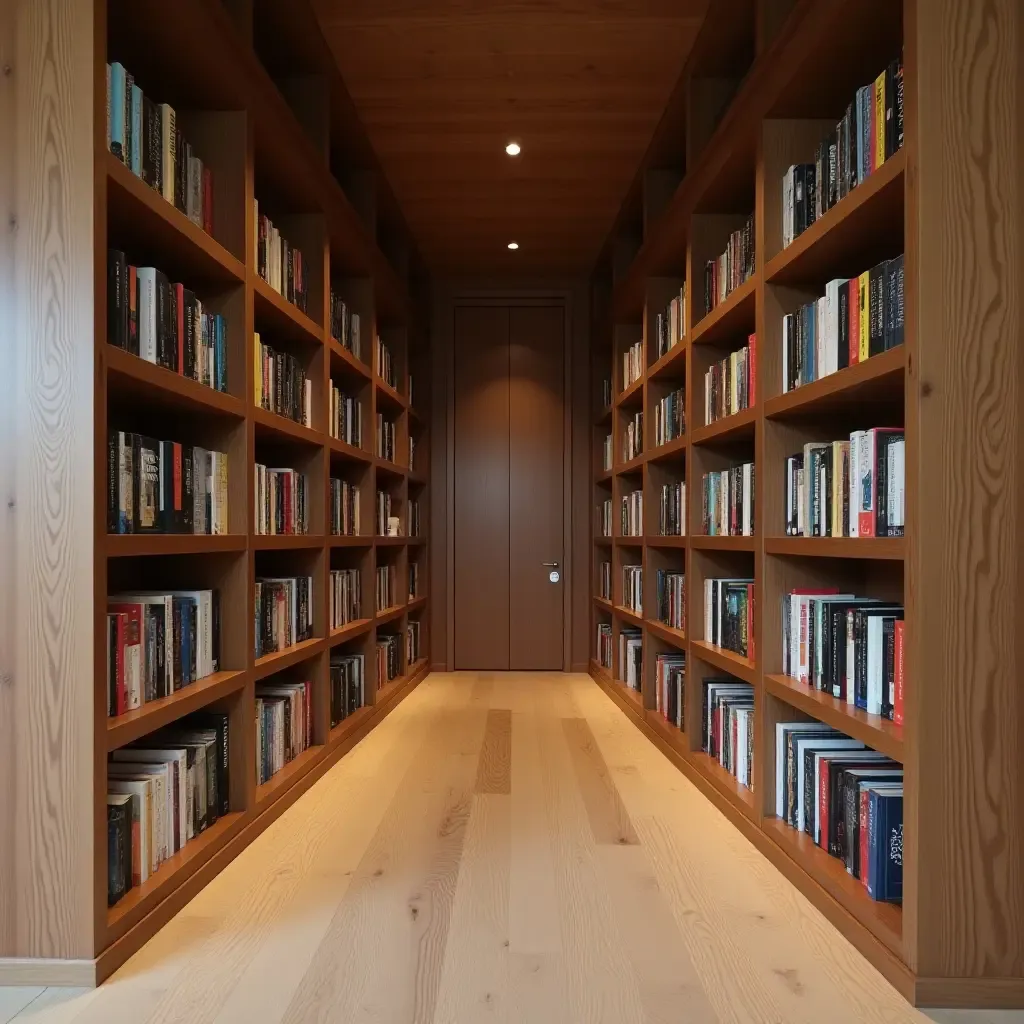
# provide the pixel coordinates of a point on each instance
(890, 835)
(186, 641)
(116, 116)
(136, 132)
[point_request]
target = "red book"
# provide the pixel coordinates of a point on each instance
(207, 201)
(752, 342)
(862, 815)
(854, 330)
(131, 683)
(120, 699)
(178, 505)
(897, 702)
(289, 526)
(179, 302)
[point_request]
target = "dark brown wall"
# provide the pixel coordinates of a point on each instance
(574, 294)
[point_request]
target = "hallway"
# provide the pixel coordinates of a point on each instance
(500, 848)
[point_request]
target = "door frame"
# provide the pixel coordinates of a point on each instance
(515, 298)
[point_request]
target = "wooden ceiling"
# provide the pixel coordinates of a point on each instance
(442, 85)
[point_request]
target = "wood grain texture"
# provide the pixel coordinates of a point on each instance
(52, 228)
(494, 774)
(966, 714)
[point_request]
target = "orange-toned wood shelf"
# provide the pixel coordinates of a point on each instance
(629, 395)
(392, 398)
(285, 317)
(342, 355)
(280, 660)
(634, 465)
(881, 548)
(128, 545)
(288, 775)
(730, 321)
(273, 425)
(604, 603)
(701, 543)
(672, 363)
(656, 540)
(339, 447)
(729, 428)
(350, 540)
(286, 541)
(727, 661)
(155, 714)
(667, 633)
(669, 450)
(631, 617)
(731, 788)
(389, 614)
(350, 630)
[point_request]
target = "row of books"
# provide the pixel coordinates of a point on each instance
(730, 386)
(162, 792)
(670, 417)
(345, 325)
(671, 598)
(633, 437)
(344, 509)
(670, 324)
(164, 323)
(847, 797)
(158, 643)
(387, 587)
(412, 641)
(346, 418)
(672, 510)
(278, 262)
(387, 432)
(346, 594)
(284, 725)
(632, 519)
(606, 454)
(724, 275)
(846, 646)
(632, 364)
(871, 131)
(728, 502)
(283, 613)
(729, 614)
(282, 386)
(389, 657)
(727, 726)
(144, 135)
(604, 645)
(386, 364)
(854, 488)
(633, 588)
(670, 687)
(855, 319)
(388, 523)
(282, 501)
(631, 657)
(348, 686)
(414, 517)
(604, 580)
(164, 487)
(606, 517)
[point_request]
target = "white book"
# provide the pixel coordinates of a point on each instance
(820, 330)
(748, 522)
(874, 664)
(787, 206)
(855, 442)
(147, 313)
(787, 335)
(866, 484)
(899, 473)
(169, 144)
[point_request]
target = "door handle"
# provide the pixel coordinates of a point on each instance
(550, 565)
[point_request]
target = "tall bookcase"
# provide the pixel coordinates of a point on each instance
(748, 111)
(266, 112)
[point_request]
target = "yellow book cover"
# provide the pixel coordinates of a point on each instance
(879, 119)
(864, 324)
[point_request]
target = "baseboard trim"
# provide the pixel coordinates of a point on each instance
(970, 993)
(38, 971)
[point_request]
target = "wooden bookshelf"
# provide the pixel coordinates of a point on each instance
(962, 949)
(259, 145)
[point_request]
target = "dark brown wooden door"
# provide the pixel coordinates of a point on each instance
(509, 487)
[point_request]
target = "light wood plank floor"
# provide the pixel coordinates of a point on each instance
(500, 848)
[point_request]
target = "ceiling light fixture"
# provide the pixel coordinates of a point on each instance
(513, 149)
(513, 245)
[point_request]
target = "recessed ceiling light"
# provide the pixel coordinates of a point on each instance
(513, 149)
(513, 245)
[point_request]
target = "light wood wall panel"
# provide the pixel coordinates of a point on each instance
(46, 548)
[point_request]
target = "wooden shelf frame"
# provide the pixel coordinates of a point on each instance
(799, 81)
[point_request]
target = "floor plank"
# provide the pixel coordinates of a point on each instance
(502, 847)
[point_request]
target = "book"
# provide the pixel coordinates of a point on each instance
(284, 613)
(632, 514)
(119, 847)
(633, 589)
(631, 657)
(279, 263)
(344, 325)
(389, 657)
(669, 418)
(284, 715)
(281, 383)
(729, 385)
(345, 597)
(672, 509)
(729, 614)
(727, 726)
(348, 686)
(670, 687)
(670, 589)
(727, 508)
(282, 500)
(345, 418)
(732, 268)
(603, 651)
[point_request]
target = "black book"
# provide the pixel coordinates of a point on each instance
(117, 298)
(146, 484)
(810, 195)
(833, 169)
(180, 172)
(837, 835)
(883, 438)
(890, 108)
(163, 305)
(894, 312)
(187, 490)
(876, 309)
(189, 340)
(899, 106)
(119, 846)
(152, 151)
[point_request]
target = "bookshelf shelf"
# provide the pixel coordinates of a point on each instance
(631, 695)
(880, 548)
(702, 543)
(884, 920)
(417, 541)
(389, 614)
(603, 602)
(294, 770)
(826, 247)
(735, 792)
(738, 427)
(136, 208)
(657, 541)
(415, 604)
(348, 452)
(634, 465)
(276, 427)
(726, 661)
(730, 321)
(671, 364)
(667, 633)
(134, 544)
(284, 317)
(346, 359)
(391, 469)
(417, 478)
(287, 542)
(140, 900)
(604, 416)
(386, 692)
(630, 395)
(669, 450)
(134, 378)
(392, 399)
(155, 714)
(631, 617)
(879, 379)
(280, 660)
(675, 738)
(348, 725)
(390, 542)
(604, 476)
(349, 631)
(350, 541)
